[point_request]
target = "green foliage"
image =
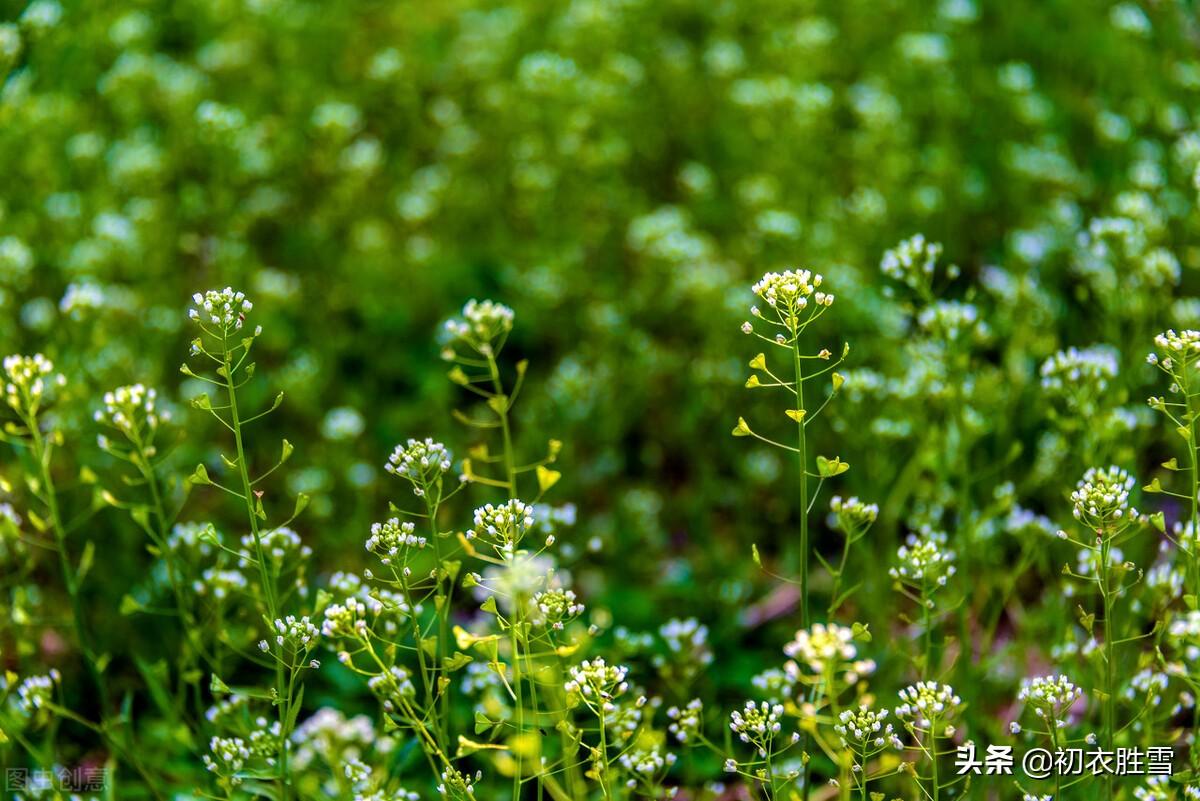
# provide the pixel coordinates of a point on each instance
(573, 578)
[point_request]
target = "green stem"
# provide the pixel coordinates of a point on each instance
(283, 701)
(1110, 714)
(802, 446)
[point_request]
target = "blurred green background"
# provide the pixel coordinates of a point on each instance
(619, 172)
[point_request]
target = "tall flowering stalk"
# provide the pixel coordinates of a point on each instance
(1101, 503)
(473, 344)
(226, 345)
(1178, 357)
(794, 300)
(31, 383)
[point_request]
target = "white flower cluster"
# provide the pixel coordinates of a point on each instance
(503, 526)
(1185, 634)
(422, 462)
(346, 620)
(224, 308)
(557, 607)
(822, 645)
(1101, 498)
(851, 514)
(1050, 697)
(927, 704)
(791, 290)
(279, 544)
(128, 408)
(298, 635)
(596, 680)
(686, 722)
(865, 730)
(482, 323)
(388, 538)
(1080, 369)
(328, 732)
(687, 639)
(391, 686)
(457, 786)
(757, 724)
(912, 262)
(923, 561)
(1180, 347)
(227, 756)
(28, 380)
(37, 691)
(952, 320)
(790, 294)
(645, 761)
(399, 794)
(220, 583)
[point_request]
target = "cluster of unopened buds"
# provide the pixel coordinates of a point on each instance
(296, 635)
(503, 526)
(392, 686)
(346, 620)
(923, 561)
(390, 537)
(1050, 697)
(224, 308)
(1181, 346)
(865, 729)
(422, 462)
(819, 646)
(851, 514)
(557, 607)
(37, 691)
(128, 408)
(1101, 498)
(28, 380)
(789, 294)
(595, 679)
(686, 722)
(482, 323)
(757, 725)
(458, 786)
(926, 705)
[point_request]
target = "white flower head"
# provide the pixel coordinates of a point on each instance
(220, 311)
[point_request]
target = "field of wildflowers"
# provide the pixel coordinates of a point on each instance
(370, 371)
